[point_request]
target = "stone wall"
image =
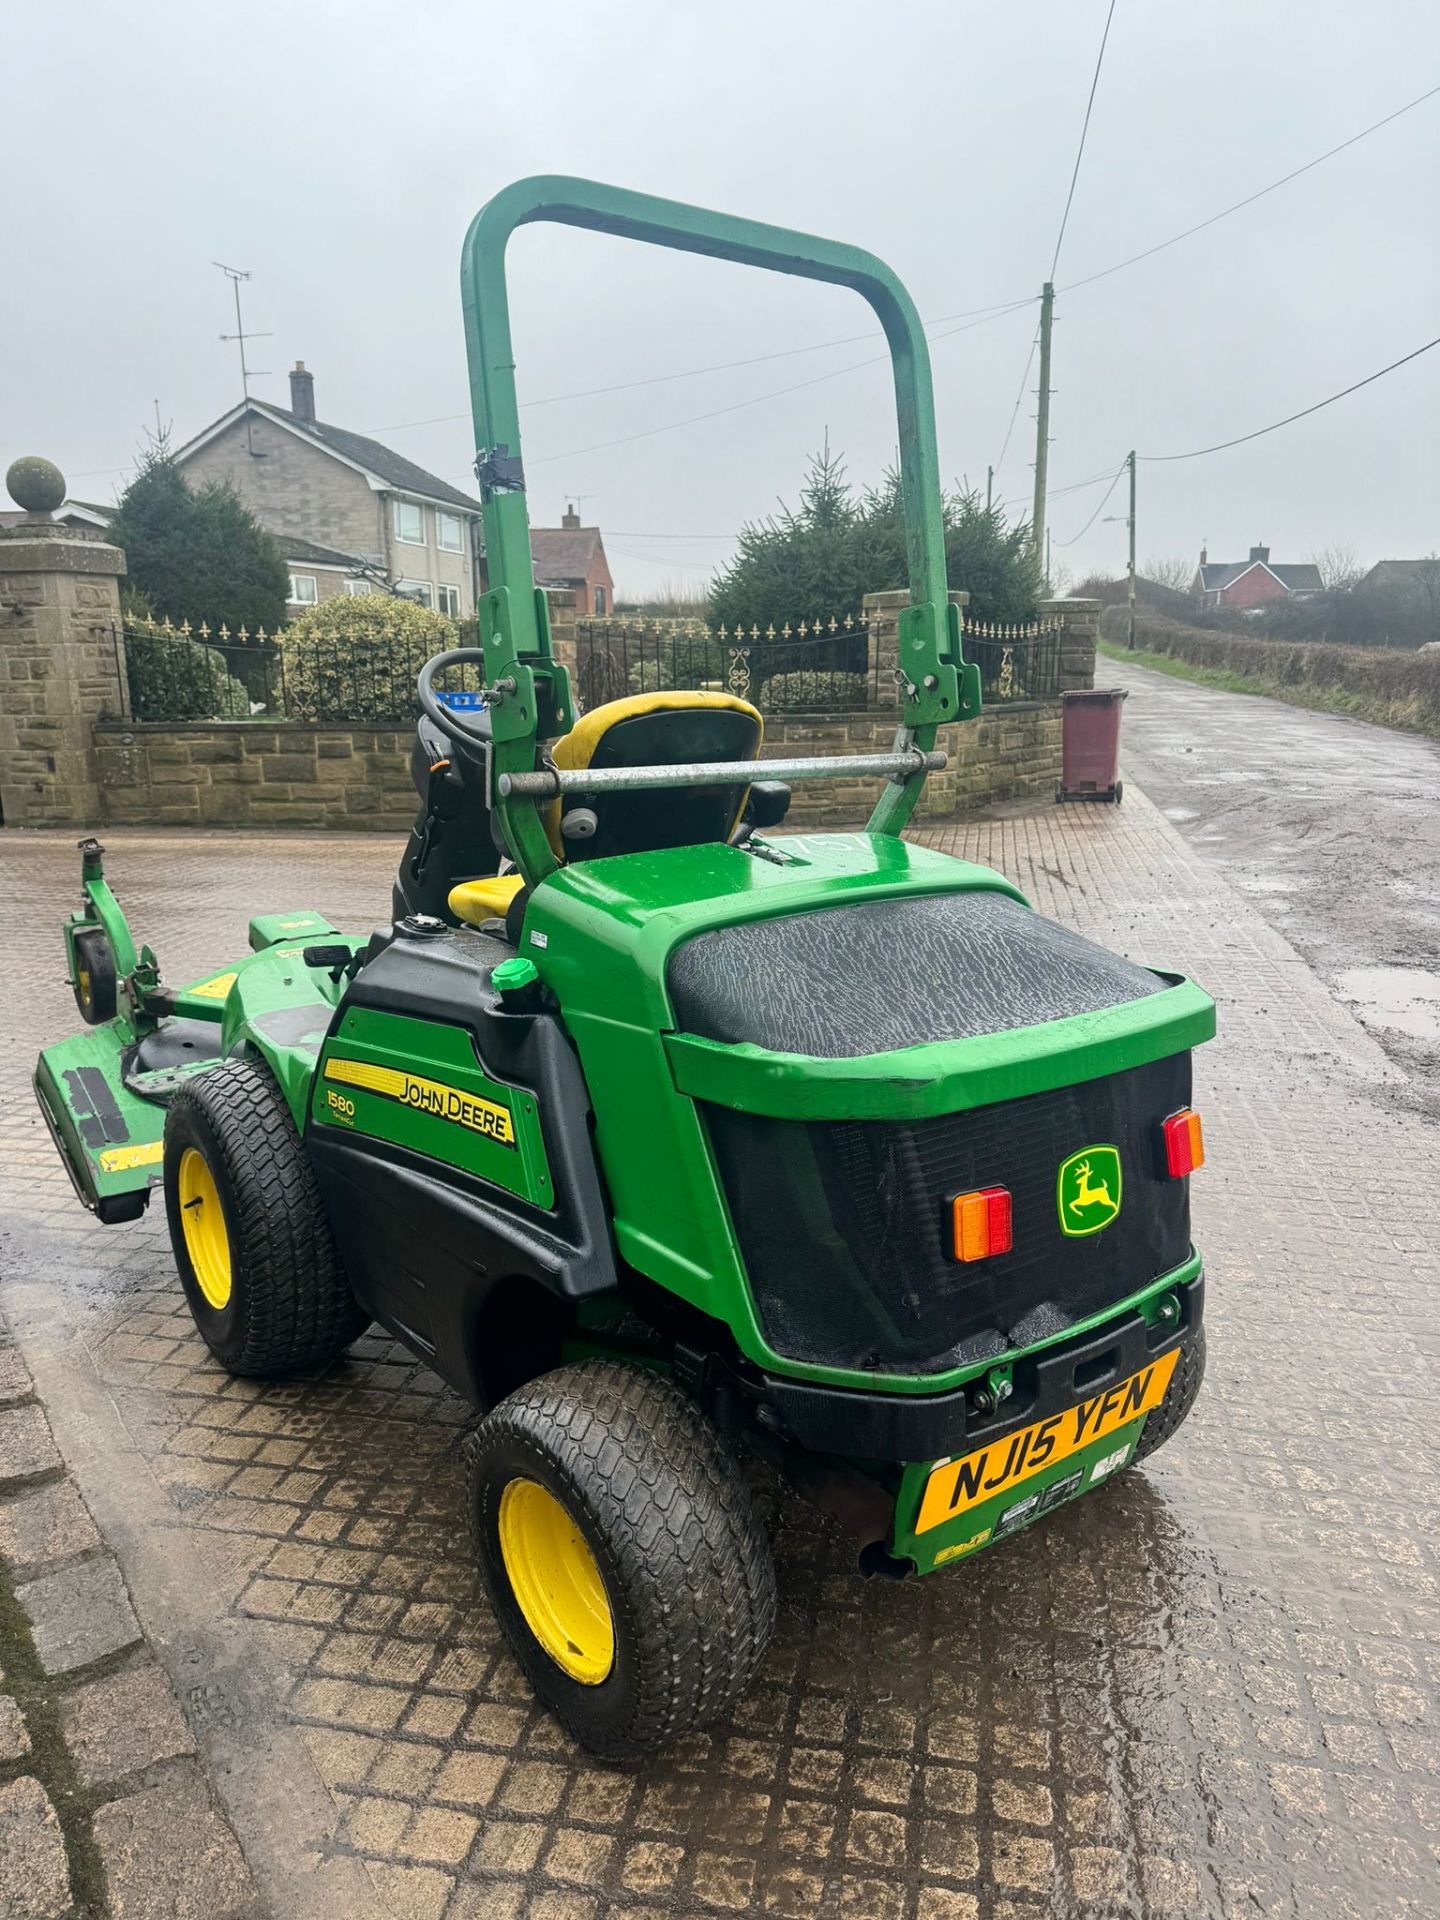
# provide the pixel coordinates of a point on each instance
(240, 774)
(249, 774)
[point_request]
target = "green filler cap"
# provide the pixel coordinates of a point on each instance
(513, 976)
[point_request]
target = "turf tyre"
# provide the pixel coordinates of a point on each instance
(96, 988)
(291, 1308)
(1180, 1397)
(661, 1504)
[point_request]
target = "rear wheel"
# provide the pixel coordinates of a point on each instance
(249, 1233)
(95, 981)
(1180, 1396)
(622, 1554)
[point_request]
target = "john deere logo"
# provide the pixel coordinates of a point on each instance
(1088, 1191)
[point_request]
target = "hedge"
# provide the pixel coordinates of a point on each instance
(357, 659)
(1391, 686)
(175, 678)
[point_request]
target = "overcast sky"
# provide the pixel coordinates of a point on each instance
(338, 148)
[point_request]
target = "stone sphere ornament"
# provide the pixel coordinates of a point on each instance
(36, 485)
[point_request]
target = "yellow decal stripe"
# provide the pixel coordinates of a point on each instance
(215, 989)
(957, 1485)
(122, 1159)
(427, 1096)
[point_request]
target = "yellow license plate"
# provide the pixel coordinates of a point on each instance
(955, 1486)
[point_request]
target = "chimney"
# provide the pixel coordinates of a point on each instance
(570, 519)
(302, 393)
(1260, 553)
(1204, 557)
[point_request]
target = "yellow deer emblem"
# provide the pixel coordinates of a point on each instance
(1087, 1195)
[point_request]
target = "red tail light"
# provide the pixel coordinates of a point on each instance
(981, 1223)
(1184, 1143)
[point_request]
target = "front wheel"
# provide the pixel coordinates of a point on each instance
(249, 1232)
(96, 989)
(622, 1554)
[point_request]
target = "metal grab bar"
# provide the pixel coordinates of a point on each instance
(716, 773)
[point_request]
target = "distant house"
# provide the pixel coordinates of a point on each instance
(574, 556)
(1250, 583)
(1405, 576)
(70, 513)
(349, 515)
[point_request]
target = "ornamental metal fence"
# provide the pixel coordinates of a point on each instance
(1017, 661)
(844, 664)
(183, 673)
(808, 666)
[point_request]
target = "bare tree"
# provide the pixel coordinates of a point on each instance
(1174, 571)
(1339, 566)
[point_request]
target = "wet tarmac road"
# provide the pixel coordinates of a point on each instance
(1208, 1690)
(1329, 826)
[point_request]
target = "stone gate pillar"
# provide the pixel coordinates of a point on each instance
(1081, 623)
(62, 660)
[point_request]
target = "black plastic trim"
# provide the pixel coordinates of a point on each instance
(880, 1426)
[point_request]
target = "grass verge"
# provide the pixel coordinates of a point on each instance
(1356, 706)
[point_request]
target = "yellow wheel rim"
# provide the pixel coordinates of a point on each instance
(556, 1582)
(207, 1239)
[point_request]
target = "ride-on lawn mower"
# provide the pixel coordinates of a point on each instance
(661, 1135)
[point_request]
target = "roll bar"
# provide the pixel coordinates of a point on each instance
(938, 686)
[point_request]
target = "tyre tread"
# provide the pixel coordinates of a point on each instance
(679, 1521)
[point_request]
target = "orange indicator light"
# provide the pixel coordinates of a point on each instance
(981, 1222)
(1184, 1143)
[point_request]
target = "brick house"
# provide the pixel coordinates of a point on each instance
(574, 556)
(1250, 583)
(349, 514)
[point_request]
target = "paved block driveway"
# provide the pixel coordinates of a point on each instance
(1209, 1690)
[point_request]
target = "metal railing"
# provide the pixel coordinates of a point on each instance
(808, 666)
(182, 673)
(1017, 661)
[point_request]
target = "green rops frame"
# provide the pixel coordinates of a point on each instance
(938, 685)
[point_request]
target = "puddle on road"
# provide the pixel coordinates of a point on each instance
(1406, 999)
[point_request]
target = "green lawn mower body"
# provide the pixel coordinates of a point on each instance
(704, 1114)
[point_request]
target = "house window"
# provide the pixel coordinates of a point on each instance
(303, 592)
(447, 600)
(356, 587)
(447, 531)
(599, 600)
(417, 590)
(409, 523)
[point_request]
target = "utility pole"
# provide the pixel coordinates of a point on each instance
(235, 275)
(1130, 521)
(1042, 421)
(989, 486)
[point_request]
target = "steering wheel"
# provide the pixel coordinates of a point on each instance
(445, 718)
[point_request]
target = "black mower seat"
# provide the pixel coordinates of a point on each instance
(844, 981)
(643, 730)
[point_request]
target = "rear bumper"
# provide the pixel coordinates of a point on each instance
(890, 1427)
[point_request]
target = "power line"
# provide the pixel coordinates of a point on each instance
(1080, 150)
(1275, 425)
(1114, 481)
(1251, 198)
(736, 406)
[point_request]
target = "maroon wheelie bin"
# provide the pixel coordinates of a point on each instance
(1090, 745)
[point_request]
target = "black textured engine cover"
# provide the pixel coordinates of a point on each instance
(843, 981)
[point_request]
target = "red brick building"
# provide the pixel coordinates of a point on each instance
(1250, 583)
(574, 556)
